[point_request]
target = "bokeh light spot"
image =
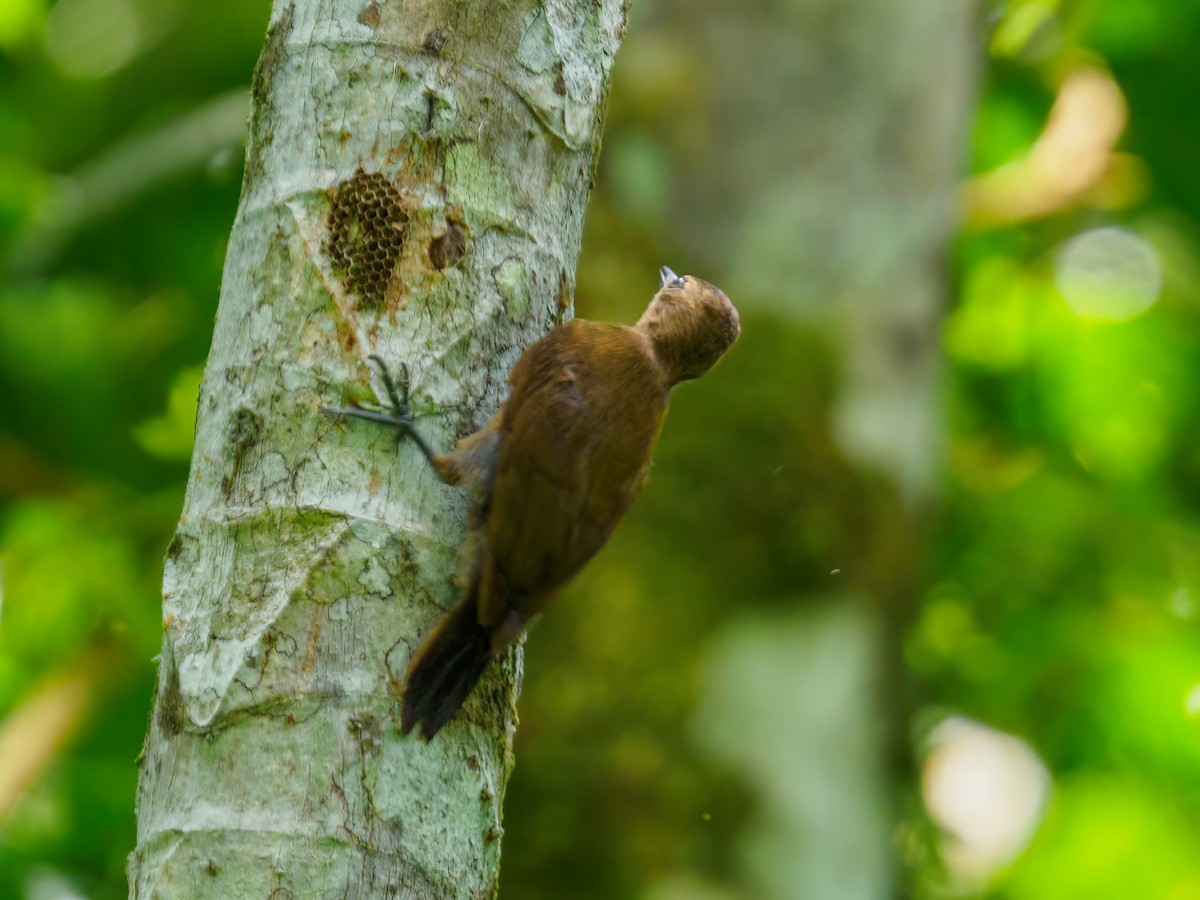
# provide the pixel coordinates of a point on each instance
(1182, 604)
(91, 38)
(1191, 702)
(1110, 274)
(987, 789)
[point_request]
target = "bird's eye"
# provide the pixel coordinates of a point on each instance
(678, 282)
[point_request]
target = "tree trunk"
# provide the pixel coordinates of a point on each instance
(415, 183)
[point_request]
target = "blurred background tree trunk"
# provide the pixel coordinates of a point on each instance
(415, 184)
(843, 231)
(823, 203)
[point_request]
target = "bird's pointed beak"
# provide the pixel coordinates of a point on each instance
(667, 276)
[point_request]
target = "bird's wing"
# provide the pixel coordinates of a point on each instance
(571, 456)
(537, 496)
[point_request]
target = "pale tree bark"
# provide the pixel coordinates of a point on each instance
(415, 185)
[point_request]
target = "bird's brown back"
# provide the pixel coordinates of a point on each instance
(584, 411)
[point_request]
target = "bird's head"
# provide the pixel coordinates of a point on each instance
(691, 323)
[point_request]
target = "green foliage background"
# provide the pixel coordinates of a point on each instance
(1059, 581)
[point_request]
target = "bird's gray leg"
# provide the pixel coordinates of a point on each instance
(401, 418)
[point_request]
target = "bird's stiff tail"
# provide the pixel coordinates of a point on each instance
(445, 668)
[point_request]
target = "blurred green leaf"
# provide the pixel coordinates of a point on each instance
(170, 435)
(20, 22)
(1120, 30)
(1110, 837)
(22, 187)
(1021, 24)
(1006, 125)
(1110, 388)
(65, 580)
(995, 323)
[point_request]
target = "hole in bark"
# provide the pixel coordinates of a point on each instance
(562, 298)
(369, 15)
(434, 40)
(170, 704)
(447, 248)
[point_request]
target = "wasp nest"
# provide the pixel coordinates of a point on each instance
(367, 227)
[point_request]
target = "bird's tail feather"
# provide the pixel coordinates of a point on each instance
(445, 668)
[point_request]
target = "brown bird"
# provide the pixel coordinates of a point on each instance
(553, 472)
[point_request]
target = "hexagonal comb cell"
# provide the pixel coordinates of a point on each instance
(367, 226)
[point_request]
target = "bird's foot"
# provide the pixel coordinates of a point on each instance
(400, 418)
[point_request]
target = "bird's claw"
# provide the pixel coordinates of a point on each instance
(400, 418)
(398, 399)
